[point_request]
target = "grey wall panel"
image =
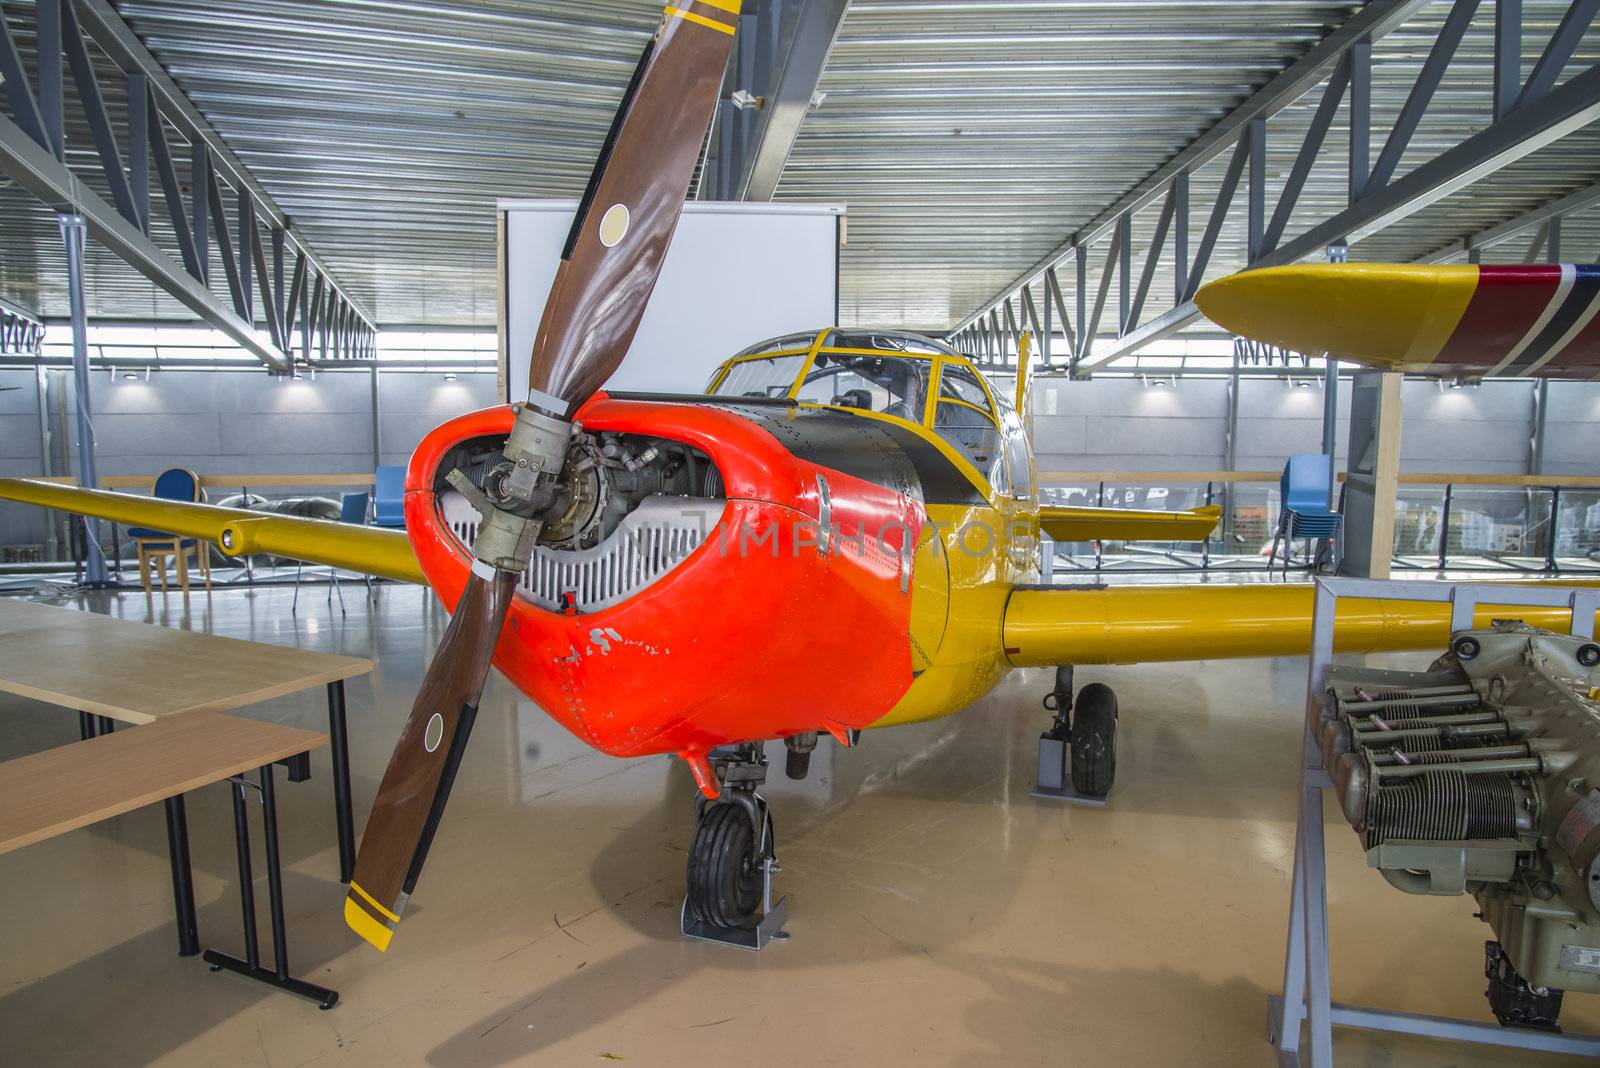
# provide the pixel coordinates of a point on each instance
(1574, 402)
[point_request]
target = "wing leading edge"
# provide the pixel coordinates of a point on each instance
(384, 553)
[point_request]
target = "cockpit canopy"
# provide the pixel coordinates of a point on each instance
(903, 376)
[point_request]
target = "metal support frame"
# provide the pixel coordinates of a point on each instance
(787, 101)
(1306, 997)
(21, 334)
(31, 153)
(1535, 115)
(1299, 77)
(72, 235)
(250, 965)
(1560, 208)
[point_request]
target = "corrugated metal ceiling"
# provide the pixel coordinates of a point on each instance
(968, 137)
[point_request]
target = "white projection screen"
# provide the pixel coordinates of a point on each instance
(735, 274)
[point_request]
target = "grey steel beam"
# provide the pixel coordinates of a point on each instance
(1124, 271)
(212, 194)
(1180, 235)
(117, 40)
(199, 202)
(47, 178)
(1569, 107)
(810, 39)
(1255, 137)
(1421, 95)
(1053, 286)
(1507, 56)
(1030, 311)
(1047, 335)
(1219, 215)
(1093, 326)
(94, 110)
(247, 240)
(1152, 258)
(1565, 41)
(19, 91)
(1081, 298)
(1310, 148)
(47, 56)
(72, 232)
(1501, 232)
(139, 147)
(1371, 22)
(171, 190)
(1538, 243)
(1359, 62)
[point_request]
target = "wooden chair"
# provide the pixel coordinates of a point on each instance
(156, 546)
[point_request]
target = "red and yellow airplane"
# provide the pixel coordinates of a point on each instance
(841, 534)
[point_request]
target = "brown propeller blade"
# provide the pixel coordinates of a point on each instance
(631, 208)
(608, 270)
(417, 782)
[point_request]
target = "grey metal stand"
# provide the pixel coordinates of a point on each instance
(769, 929)
(1306, 997)
(1054, 783)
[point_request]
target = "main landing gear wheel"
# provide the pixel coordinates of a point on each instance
(1094, 740)
(725, 868)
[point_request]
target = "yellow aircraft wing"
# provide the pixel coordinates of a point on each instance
(1127, 524)
(386, 553)
(1049, 625)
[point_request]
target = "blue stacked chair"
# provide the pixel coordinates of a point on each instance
(389, 497)
(1305, 488)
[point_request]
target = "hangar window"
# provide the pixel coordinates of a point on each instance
(762, 376)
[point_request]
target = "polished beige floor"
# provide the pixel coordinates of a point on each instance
(940, 916)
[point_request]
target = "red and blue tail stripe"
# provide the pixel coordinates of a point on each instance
(1530, 320)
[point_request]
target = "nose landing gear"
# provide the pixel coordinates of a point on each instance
(733, 859)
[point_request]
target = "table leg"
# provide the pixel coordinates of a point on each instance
(85, 725)
(250, 967)
(182, 877)
(106, 724)
(340, 743)
(269, 817)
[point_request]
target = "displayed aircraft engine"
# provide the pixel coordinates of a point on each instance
(1481, 775)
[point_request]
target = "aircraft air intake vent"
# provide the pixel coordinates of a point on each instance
(650, 541)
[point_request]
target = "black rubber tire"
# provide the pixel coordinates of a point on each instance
(724, 871)
(1094, 740)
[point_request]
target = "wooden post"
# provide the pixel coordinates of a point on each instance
(1385, 477)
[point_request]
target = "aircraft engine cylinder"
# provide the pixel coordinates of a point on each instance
(1482, 776)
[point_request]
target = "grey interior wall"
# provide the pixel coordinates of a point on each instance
(410, 403)
(20, 453)
(230, 422)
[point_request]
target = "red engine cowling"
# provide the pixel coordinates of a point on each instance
(770, 627)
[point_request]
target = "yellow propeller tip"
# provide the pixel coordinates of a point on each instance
(364, 924)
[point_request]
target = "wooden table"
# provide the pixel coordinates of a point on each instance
(62, 789)
(139, 673)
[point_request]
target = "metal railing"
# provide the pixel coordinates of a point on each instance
(1536, 524)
